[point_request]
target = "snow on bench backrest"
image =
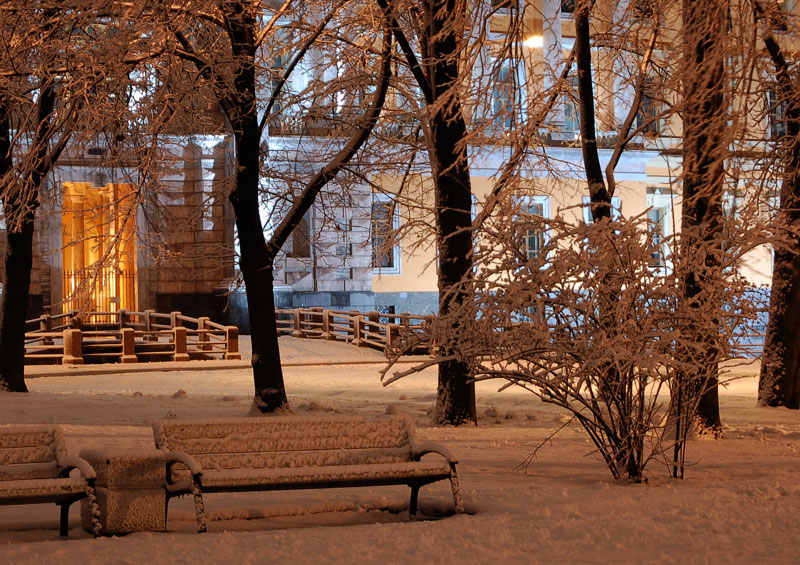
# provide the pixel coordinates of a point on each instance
(29, 452)
(278, 442)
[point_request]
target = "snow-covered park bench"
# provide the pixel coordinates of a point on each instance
(35, 468)
(278, 453)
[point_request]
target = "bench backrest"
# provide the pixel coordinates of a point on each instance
(279, 442)
(30, 452)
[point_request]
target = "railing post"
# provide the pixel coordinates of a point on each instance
(123, 318)
(148, 325)
(326, 325)
(391, 338)
(358, 331)
(73, 347)
(203, 334)
(317, 316)
(75, 321)
(46, 325)
(232, 343)
(180, 352)
(128, 346)
(297, 332)
(174, 320)
(373, 317)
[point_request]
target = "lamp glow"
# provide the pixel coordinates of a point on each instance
(534, 41)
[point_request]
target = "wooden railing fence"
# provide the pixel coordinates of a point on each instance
(390, 333)
(127, 337)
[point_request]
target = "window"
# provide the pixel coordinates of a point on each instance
(616, 206)
(780, 16)
(731, 206)
(567, 6)
(508, 93)
(659, 202)
(572, 115)
(501, 5)
(301, 237)
(385, 222)
(776, 115)
(643, 9)
(533, 240)
(647, 116)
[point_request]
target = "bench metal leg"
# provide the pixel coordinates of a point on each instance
(459, 502)
(199, 506)
(412, 504)
(94, 509)
(63, 528)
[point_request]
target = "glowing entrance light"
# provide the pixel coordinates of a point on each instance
(534, 41)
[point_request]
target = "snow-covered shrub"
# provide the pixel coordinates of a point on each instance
(590, 318)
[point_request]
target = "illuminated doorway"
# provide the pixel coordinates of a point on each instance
(98, 229)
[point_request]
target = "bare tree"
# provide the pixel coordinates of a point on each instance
(54, 83)
(431, 35)
(779, 382)
(704, 111)
(224, 41)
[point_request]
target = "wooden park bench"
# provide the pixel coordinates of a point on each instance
(35, 468)
(280, 453)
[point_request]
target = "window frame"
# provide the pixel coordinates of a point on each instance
(524, 204)
(586, 208)
(396, 255)
(660, 198)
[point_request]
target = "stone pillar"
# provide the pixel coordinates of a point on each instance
(623, 85)
(232, 343)
(128, 346)
(605, 92)
(73, 347)
(553, 57)
(180, 352)
(297, 331)
(130, 491)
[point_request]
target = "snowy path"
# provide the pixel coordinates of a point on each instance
(738, 504)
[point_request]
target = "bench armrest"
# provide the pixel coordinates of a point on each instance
(70, 462)
(418, 449)
(172, 457)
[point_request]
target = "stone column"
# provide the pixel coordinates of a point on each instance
(552, 54)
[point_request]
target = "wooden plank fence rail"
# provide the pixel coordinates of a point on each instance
(386, 332)
(127, 337)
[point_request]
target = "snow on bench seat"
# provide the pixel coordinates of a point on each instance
(289, 452)
(40, 490)
(35, 468)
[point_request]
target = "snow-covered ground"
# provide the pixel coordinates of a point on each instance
(739, 503)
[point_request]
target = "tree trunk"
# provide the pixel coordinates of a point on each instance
(599, 196)
(258, 255)
(779, 381)
(704, 151)
(455, 398)
(20, 200)
(255, 261)
(14, 301)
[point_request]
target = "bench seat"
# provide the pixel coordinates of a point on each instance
(41, 490)
(309, 477)
(35, 468)
(290, 452)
